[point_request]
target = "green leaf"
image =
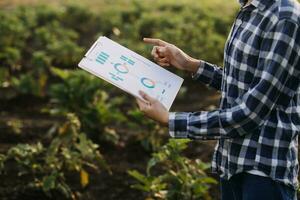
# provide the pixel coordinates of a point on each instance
(63, 74)
(151, 163)
(137, 175)
(49, 182)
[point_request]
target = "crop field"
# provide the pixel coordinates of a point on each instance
(65, 134)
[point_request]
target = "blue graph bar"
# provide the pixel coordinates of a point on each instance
(115, 77)
(124, 58)
(102, 57)
(100, 60)
(105, 54)
(131, 62)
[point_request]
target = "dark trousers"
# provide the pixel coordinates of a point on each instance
(246, 186)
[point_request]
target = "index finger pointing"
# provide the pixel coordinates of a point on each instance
(155, 41)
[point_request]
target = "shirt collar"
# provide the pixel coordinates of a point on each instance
(260, 4)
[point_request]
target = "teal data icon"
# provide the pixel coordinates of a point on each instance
(148, 83)
(102, 57)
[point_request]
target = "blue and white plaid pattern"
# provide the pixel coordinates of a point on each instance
(258, 121)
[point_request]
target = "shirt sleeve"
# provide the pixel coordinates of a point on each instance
(209, 74)
(278, 65)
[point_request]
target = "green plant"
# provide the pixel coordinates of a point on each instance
(150, 134)
(34, 39)
(176, 176)
(60, 35)
(15, 126)
(87, 96)
(47, 166)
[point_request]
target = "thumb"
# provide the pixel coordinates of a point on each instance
(162, 51)
(146, 96)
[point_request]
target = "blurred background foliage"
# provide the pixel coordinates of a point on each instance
(55, 119)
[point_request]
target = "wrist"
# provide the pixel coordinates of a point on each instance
(193, 65)
(165, 122)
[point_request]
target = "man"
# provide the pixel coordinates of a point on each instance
(258, 122)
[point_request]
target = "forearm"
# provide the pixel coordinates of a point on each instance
(207, 125)
(192, 65)
(277, 80)
(205, 72)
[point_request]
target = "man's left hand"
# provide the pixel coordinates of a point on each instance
(153, 109)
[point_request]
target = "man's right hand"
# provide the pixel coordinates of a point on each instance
(166, 54)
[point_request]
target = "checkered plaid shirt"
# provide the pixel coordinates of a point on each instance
(258, 121)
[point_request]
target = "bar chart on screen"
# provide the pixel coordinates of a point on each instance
(130, 71)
